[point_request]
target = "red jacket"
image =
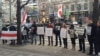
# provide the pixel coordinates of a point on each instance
(50, 26)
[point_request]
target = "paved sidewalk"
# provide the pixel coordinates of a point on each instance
(48, 50)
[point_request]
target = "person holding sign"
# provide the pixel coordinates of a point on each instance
(90, 33)
(40, 32)
(81, 35)
(72, 36)
(57, 27)
(63, 34)
(49, 33)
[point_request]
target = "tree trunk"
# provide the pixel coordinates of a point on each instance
(19, 38)
(95, 15)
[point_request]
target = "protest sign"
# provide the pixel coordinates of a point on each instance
(40, 30)
(49, 32)
(63, 33)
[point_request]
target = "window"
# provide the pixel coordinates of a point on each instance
(79, 7)
(85, 6)
(72, 7)
(67, 7)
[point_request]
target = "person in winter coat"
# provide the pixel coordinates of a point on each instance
(82, 36)
(12, 28)
(63, 34)
(24, 33)
(4, 29)
(90, 37)
(72, 36)
(50, 37)
(97, 39)
(57, 27)
(41, 36)
(33, 32)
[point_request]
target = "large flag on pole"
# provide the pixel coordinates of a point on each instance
(24, 17)
(59, 11)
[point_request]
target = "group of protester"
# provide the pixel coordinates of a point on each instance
(60, 30)
(11, 27)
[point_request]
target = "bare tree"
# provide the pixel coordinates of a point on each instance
(18, 15)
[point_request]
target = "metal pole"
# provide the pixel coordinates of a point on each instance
(10, 11)
(38, 11)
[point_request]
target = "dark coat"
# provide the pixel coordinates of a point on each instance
(92, 30)
(4, 29)
(34, 31)
(57, 28)
(12, 28)
(97, 35)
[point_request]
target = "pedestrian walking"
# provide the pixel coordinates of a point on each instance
(73, 36)
(4, 29)
(57, 28)
(33, 33)
(50, 38)
(63, 34)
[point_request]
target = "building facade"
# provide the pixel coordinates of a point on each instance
(32, 10)
(77, 8)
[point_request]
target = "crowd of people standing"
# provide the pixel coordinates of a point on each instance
(60, 30)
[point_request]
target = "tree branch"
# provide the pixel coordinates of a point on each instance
(25, 4)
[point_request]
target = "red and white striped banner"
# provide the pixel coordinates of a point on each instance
(9, 35)
(24, 17)
(59, 11)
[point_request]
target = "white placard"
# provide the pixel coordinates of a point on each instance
(63, 33)
(49, 32)
(58, 27)
(88, 30)
(40, 30)
(80, 30)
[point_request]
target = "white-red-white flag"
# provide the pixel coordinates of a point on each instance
(9, 35)
(24, 17)
(59, 11)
